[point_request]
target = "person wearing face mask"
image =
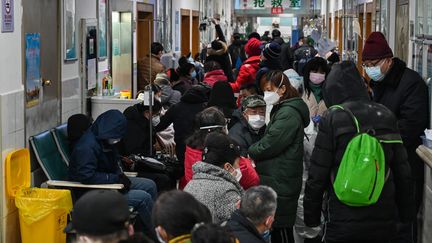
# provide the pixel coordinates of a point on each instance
(211, 120)
(174, 223)
(250, 125)
(404, 92)
(253, 220)
(184, 76)
(215, 182)
(315, 72)
(95, 160)
(279, 154)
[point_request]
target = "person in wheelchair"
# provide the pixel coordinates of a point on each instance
(95, 160)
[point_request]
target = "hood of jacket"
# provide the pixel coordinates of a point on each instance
(219, 73)
(272, 64)
(344, 84)
(253, 60)
(206, 171)
(297, 104)
(220, 52)
(167, 93)
(109, 125)
(132, 113)
(195, 95)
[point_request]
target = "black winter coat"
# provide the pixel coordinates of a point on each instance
(182, 115)
(243, 134)
(221, 56)
(243, 229)
(344, 223)
(405, 93)
(236, 50)
(137, 139)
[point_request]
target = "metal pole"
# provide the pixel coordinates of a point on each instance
(150, 92)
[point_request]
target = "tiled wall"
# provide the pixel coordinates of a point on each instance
(71, 98)
(12, 137)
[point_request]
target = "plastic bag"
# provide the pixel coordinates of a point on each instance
(36, 203)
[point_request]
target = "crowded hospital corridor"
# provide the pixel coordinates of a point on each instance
(216, 121)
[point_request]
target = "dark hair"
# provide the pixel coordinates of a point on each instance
(184, 67)
(211, 66)
(276, 77)
(179, 220)
(254, 35)
(212, 233)
(157, 106)
(236, 36)
(77, 125)
(276, 33)
(249, 86)
(219, 149)
(211, 116)
(173, 75)
(315, 64)
(156, 47)
(258, 203)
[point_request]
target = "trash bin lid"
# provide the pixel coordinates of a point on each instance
(17, 167)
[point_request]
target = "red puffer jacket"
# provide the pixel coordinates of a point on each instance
(249, 178)
(213, 76)
(247, 73)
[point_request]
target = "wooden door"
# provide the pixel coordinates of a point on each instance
(195, 33)
(340, 34)
(185, 32)
(145, 29)
(336, 31)
(329, 27)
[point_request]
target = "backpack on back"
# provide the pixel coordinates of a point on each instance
(361, 175)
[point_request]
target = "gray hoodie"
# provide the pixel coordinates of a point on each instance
(216, 188)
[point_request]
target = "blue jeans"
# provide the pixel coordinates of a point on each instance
(141, 196)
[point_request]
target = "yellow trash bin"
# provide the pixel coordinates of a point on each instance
(42, 212)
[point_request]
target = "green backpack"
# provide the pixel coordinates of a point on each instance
(361, 174)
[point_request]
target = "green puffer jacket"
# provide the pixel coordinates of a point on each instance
(279, 156)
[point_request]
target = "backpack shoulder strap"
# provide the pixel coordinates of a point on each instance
(353, 117)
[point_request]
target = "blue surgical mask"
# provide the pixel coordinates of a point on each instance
(193, 74)
(375, 73)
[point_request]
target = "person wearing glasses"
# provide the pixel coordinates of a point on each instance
(404, 92)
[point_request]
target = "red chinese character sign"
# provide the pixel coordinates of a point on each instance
(277, 10)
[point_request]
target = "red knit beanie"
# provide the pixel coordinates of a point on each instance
(376, 47)
(253, 47)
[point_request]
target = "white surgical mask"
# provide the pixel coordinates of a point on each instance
(271, 97)
(375, 73)
(256, 121)
(238, 174)
(155, 120)
(316, 78)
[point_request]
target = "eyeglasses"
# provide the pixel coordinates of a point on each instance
(371, 64)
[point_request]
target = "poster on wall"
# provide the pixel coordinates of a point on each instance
(32, 69)
(102, 32)
(69, 30)
(91, 57)
(7, 18)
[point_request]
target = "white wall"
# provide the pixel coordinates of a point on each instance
(12, 117)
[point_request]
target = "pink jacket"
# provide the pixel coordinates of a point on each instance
(213, 76)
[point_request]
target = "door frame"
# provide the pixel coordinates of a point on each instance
(59, 65)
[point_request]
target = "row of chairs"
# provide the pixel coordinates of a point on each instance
(51, 150)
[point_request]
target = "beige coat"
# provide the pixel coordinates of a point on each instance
(314, 107)
(144, 70)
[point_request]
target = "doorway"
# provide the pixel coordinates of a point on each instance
(145, 28)
(42, 17)
(402, 27)
(195, 33)
(185, 32)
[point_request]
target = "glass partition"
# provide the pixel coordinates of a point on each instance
(122, 50)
